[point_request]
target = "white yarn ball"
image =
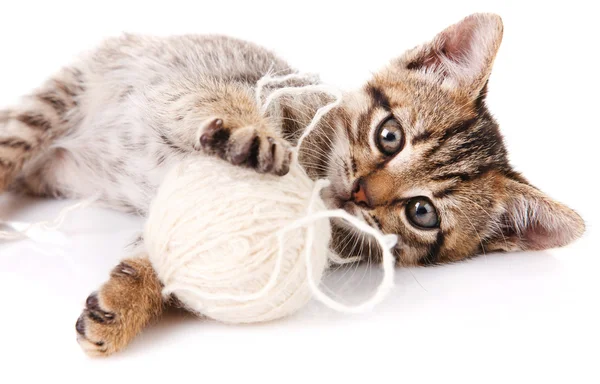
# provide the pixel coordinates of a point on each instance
(212, 239)
(230, 243)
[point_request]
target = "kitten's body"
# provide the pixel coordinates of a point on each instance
(133, 114)
(414, 152)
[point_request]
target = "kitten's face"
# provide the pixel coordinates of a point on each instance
(416, 153)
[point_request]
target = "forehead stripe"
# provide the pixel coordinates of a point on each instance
(444, 192)
(452, 131)
(463, 176)
(421, 137)
(380, 99)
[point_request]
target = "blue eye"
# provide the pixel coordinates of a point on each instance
(389, 137)
(421, 213)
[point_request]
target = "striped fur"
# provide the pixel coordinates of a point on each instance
(454, 155)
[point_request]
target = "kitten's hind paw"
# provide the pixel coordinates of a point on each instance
(249, 146)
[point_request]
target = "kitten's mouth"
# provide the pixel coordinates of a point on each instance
(335, 200)
(349, 207)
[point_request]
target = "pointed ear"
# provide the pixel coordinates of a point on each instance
(533, 221)
(461, 56)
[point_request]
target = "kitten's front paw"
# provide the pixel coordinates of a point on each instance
(249, 146)
(120, 309)
(97, 328)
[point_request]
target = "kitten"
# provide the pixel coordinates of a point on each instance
(414, 152)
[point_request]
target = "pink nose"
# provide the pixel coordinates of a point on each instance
(359, 193)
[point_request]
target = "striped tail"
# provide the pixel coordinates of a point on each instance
(29, 129)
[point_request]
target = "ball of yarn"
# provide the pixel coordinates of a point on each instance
(213, 236)
(243, 247)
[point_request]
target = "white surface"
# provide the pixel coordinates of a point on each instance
(528, 317)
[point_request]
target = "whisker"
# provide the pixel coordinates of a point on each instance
(417, 280)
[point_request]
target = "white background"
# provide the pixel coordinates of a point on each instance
(526, 317)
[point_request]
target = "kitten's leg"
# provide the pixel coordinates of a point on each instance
(121, 308)
(224, 119)
(28, 130)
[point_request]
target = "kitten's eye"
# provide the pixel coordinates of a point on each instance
(422, 213)
(389, 137)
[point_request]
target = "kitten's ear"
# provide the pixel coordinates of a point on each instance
(534, 221)
(461, 56)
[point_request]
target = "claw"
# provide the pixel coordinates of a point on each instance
(80, 325)
(94, 312)
(214, 136)
(124, 270)
(246, 145)
(244, 153)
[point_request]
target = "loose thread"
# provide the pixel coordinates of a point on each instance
(50, 225)
(386, 242)
(267, 79)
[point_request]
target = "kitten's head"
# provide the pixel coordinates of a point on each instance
(417, 153)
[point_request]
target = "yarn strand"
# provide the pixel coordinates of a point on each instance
(49, 225)
(336, 93)
(386, 242)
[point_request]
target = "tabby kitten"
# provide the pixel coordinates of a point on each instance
(414, 152)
